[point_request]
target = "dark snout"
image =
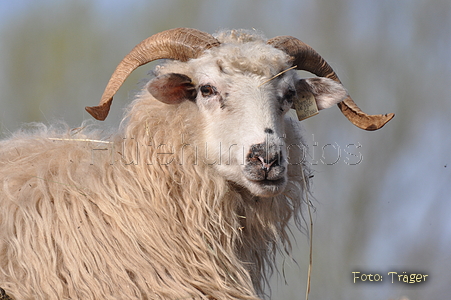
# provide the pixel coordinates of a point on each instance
(264, 163)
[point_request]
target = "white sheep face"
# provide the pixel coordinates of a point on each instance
(244, 110)
(245, 116)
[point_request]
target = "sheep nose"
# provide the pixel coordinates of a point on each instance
(264, 163)
(266, 154)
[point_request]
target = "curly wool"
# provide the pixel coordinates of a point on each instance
(142, 216)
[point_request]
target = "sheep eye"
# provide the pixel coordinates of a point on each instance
(207, 90)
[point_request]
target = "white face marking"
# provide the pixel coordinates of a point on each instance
(245, 131)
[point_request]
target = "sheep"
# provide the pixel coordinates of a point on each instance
(191, 197)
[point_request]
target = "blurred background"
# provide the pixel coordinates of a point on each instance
(382, 198)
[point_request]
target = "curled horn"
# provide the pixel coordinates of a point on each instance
(306, 58)
(179, 44)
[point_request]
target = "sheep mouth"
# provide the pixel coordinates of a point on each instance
(267, 182)
(275, 175)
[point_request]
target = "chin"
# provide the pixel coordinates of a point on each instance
(266, 188)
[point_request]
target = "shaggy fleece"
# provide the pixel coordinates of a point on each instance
(137, 215)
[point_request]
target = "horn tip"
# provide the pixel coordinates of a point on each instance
(381, 121)
(99, 112)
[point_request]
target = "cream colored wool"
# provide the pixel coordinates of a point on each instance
(130, 222)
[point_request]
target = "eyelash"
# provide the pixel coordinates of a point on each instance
(207, 90)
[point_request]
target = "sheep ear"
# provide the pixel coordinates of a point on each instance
(327, 92)
(172, 88)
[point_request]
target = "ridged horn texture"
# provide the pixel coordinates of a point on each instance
(179, 44)
(306, 58)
